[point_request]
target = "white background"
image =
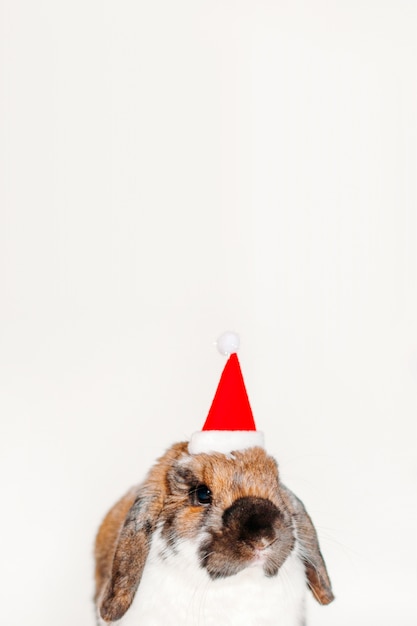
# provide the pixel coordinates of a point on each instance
(173, 169)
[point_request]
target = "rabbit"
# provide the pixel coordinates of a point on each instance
(205, 540)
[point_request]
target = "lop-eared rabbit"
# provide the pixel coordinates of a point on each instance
(208, 540)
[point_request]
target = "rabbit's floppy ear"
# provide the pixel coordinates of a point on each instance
(130, 556)
(316, 572)
(132, 544)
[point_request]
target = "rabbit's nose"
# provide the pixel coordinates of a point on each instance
(261, 544)
(252, 519)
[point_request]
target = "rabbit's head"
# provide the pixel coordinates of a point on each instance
(231, 507)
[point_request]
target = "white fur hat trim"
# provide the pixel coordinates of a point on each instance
(224, 441)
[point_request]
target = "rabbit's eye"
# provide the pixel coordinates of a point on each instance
(200, 495)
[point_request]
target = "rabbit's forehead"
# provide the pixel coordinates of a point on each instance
(245, 473)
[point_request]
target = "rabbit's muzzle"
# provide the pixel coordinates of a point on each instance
(253, 532)
(251, 520)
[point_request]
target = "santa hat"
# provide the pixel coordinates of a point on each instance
(229, 425)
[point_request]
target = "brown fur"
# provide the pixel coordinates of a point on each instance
(318, 579)
(250, 509)
(123, 540)
(107, 538)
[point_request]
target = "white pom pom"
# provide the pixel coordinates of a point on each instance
(228, 343)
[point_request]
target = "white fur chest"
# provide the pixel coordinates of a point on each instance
(176, 591)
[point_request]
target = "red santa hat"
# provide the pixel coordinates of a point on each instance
(229, 425)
